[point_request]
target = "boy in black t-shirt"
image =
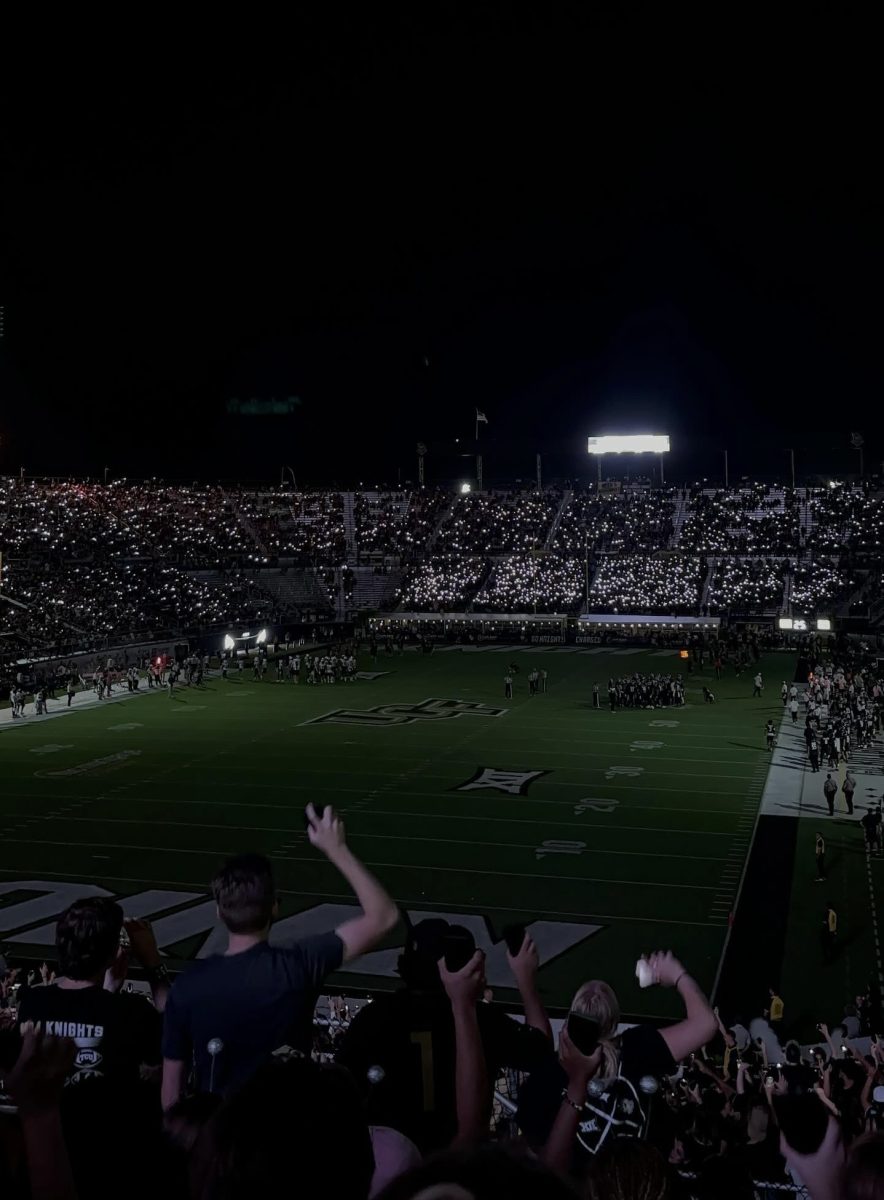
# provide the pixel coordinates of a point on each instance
(114, 1032)
(108, 1114)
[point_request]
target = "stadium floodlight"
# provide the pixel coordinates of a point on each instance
(823, 625)
(628, 443)
(228, 642)
(465, 488)
(261, 638)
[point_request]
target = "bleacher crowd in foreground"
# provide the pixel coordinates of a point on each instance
(229, 1083)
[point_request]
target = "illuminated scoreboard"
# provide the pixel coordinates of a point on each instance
(636, 443)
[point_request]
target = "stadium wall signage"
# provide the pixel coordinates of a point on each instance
(28, 923)
(547, 638)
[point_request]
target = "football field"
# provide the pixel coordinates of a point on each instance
(610, 834)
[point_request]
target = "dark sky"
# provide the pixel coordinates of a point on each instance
(585, 220)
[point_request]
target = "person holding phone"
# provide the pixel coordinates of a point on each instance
(411, 1034)
(560, 1115)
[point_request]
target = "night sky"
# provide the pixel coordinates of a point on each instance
(584, 220)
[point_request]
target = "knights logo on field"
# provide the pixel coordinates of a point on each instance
(512, 783)
(386, 715)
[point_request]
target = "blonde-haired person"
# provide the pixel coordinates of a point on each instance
(562, 1116)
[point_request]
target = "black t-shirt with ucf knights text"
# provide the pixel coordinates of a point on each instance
(114, 1032)
(410, 1035)
(253, 1003)
(614, 1108)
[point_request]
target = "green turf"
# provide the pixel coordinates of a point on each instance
(230, 767)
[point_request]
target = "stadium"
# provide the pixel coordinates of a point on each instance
(442, 609)
(477, 752)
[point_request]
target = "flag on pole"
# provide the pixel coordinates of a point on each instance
(857, 441)
(481, 419)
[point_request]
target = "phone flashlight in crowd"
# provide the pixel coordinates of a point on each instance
(376, 1075)
(214, 1048)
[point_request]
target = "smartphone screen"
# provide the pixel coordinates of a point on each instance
(803, 1120)
(583, 1032)
(514, 936)
(458, 948)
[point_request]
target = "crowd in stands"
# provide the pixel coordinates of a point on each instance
(226, 1084)
(437, 585)
(89, 604)
(817, 584)
(528, 583)
(850, 519)
(747, 585)
(69, 547)
(498, 523)
(397, 523)
(637, 583)
(756, 520)
(616, 521)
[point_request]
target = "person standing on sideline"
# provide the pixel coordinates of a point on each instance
(793, 709)
(875, 843)
(830, 791)
(757, 685)
(71, 690)
(596, 702)
(868, 823)
(830, 932)
(543, 678)
(813, 749)
(848, 787)
(507, 686)
(771, 734)
(784, 693)
(820, 847)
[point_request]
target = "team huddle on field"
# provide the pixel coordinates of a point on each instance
(645, 691)
(325, 668)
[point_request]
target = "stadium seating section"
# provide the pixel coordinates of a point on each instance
(95, 563)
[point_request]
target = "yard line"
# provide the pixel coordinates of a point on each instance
(393, 837)
(435, 905)
(448, 796)
(497, 732)
(588, 825)
(694, 887)
(496, 752)
(453, 793)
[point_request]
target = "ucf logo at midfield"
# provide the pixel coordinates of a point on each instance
(406, 714)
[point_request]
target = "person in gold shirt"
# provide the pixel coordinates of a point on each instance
(775, 1011)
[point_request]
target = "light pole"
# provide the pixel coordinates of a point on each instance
(791, 451)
